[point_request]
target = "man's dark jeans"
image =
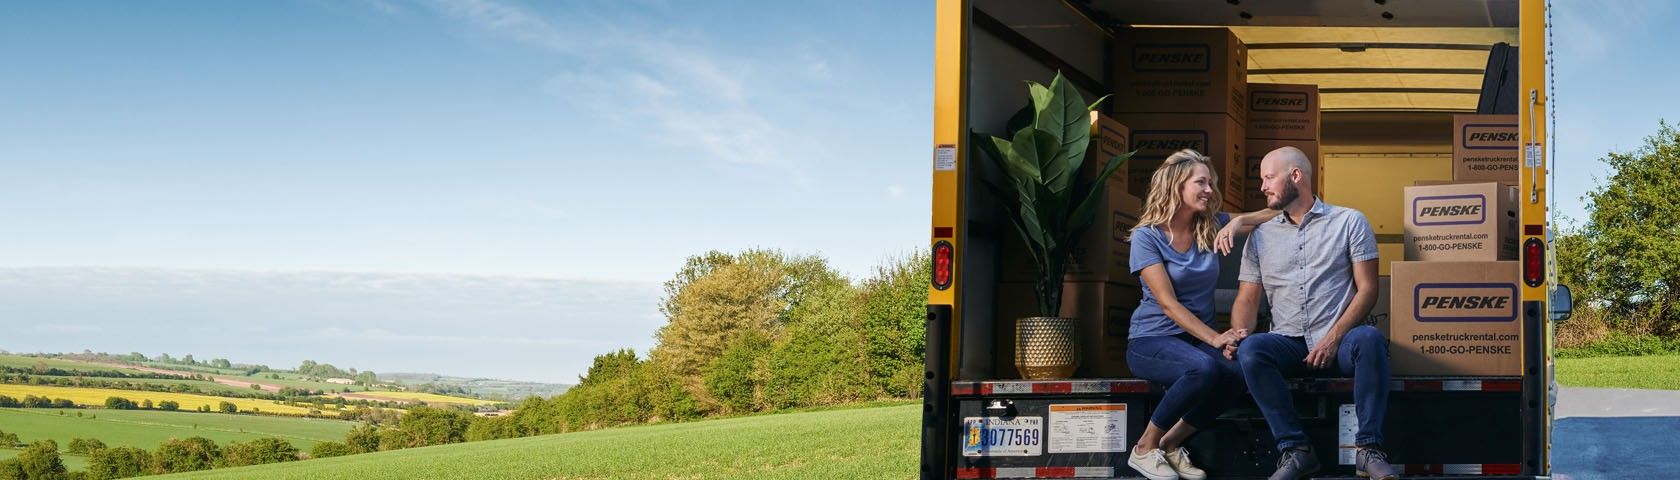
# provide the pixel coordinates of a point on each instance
(1268, 358)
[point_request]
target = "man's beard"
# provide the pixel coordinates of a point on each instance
(1286, 197)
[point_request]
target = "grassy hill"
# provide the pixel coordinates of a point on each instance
(877, 442)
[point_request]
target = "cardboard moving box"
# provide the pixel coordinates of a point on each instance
(1104, 253)
(1461, 222)
(1181, 70)
(1104, 311)
(1108, 139)
(1455, 318)
(1281, 111)
(1157, 136)
(1486, 147)
(1256, 150)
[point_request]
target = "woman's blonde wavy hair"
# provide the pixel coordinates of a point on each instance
(1166, 189)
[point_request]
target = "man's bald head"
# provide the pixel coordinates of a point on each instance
(1287, 158)
(1285, 174)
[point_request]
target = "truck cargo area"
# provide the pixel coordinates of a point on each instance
(1390, 78)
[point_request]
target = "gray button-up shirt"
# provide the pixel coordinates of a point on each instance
(1307, 267)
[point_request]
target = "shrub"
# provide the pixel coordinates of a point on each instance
(258, 452)
(119, 462)
(169, 405)
(186, 455)
(227, 407)
(119, 403)
(84, 446)
(330, 449)
(41, 461)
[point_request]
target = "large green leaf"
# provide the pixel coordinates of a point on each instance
(1061, 111)
(1083, 214)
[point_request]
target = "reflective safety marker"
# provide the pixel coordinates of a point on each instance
(942, 255)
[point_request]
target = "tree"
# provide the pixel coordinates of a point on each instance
(9, 440)
(718, 297)
(84, 446)
(221, 363)
(169, 405)
(227, 407)
(9, 402)
(894, 309)
(258, 452)
(186, 455)
(803, 367)
(425, 426)
(10, 469)
(146, 404)
(330, 449)
(40, 461)
(734, 377)
(363, 438)
(1631, 232)
(119, 462)
(119, 403)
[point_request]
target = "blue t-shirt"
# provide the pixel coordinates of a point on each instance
(1194, 275)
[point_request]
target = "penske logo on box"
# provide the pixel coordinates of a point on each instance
(1274, 101)
(1465, 302)
(1179, 57)
(1449, 210)
(1484, 136)
(1112, 140)
(1159, 144)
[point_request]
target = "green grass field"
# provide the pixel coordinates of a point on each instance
(1649, 372)
(18, 361)
(146, 429)
(876, 442)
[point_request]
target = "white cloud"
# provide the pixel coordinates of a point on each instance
(506, 20)
(895, 191)
(729, 109)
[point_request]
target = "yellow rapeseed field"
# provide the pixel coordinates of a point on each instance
(97, 396)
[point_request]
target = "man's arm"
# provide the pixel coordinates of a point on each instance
(1364, 297)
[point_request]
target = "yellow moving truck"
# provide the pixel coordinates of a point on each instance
(1429, 116)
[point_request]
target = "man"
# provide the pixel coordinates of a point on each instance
(1317, 264)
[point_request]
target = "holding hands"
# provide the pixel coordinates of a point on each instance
(1228, 341)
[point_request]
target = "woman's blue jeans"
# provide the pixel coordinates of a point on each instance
(1201, 383)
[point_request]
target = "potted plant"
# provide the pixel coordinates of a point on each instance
(1050, 207)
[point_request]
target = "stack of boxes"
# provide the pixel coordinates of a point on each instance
(1455, 304)
(1098, 287)
(1183, 88)
(1279, 115)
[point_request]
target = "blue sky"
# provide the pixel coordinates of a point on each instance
(161, 160)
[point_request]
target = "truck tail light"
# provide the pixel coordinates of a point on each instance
(942, 265)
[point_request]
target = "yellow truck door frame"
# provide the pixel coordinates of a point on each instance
(944, 324)
(1536, 288)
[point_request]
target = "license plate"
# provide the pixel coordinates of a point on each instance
(997, 437)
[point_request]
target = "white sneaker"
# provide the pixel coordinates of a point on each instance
(1180, 461)
(1152, 465)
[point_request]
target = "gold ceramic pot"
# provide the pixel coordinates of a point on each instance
(1046, 347)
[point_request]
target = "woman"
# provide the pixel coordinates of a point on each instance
(1172, 339)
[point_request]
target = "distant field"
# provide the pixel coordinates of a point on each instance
(1649, 372)
(425, 397)
(147, 429)
(17, 361)
(204, 386)
(97, 396)
(866, 443)
(71, 462)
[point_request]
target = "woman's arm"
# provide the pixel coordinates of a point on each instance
(1241, 224)
(1161, 287)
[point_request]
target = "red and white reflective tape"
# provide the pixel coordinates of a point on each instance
(1461, 469)
(1457, 385)
(1064, 387)
(1035, 472)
